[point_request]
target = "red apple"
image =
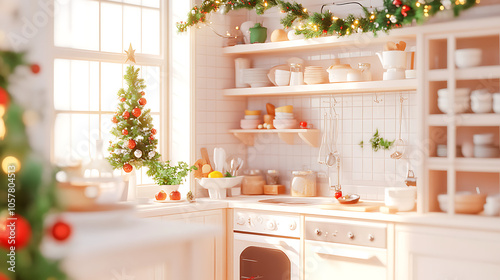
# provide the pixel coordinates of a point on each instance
(161, 195)
(303, 124)
(175, 195)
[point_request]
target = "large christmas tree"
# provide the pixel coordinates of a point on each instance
(27, 190)
(135, 143)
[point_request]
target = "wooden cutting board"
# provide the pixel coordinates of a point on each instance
(361, 206)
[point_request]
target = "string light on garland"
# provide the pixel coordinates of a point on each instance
(316, 23)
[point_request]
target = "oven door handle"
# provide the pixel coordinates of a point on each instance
(342, 253)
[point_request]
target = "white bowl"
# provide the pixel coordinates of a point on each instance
(401, 198)
(483, 139)
(493, 199)
(485, 151)
(252, 117)
(458, 92)
(282, 80)
(465, 202)
(459, 107)
(481, 107)
(217, 186)
(250, 124)
(491, 209)
(468, 57)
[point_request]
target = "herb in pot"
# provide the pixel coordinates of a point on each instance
(165, 174)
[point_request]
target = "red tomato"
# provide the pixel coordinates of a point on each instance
(161, 195)
(175, 195)
(338, 194)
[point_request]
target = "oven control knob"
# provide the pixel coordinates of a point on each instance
(318, 232)
(293, 225)
(350, 235)
(371, 237)
(240, 221)
(271, 225)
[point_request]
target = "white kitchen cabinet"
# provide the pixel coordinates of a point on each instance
(427, 253)
(213, 250)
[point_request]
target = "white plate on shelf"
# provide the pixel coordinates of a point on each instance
(169, 201)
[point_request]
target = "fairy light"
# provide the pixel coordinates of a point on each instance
(10, 161)
(462, 2)
(334, 18)
(417, 4)
(315, 27)
(265, 3)
(356, 22)
(237, 28)
(372, 17)
(388, 16)
(441, 7)
(348, 32)
(305, 10)
(478, 1)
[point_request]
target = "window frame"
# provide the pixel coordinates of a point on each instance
(161, 61)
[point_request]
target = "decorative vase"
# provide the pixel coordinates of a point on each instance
(258, 34)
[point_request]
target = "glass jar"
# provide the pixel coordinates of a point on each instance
(296, 75)
(272, 177)
(253, 182)
(365, 69)
(303, 183)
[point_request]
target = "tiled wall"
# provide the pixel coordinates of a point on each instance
(363, 171)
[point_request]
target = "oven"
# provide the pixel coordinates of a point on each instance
(266, 246)
(342, 250)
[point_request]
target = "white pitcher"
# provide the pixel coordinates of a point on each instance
(392, 59)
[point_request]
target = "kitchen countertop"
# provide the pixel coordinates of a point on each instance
(473, 222)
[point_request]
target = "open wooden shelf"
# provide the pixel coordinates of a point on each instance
(473, 73)
(247, 136)
(333, 88)
(409, 33)
(472, 119)
(465, 164)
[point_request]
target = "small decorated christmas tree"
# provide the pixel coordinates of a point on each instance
(135, 143)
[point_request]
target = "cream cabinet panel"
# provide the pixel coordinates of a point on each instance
(426, 253)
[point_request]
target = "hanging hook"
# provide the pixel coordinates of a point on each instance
(376, 100)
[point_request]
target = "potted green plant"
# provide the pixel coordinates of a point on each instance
(167, 176)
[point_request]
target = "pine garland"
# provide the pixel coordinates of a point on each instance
(394, 14)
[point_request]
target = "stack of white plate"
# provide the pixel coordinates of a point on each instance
(484, 146)
(461, 100)
(284, 121)
(315, 75)
(481, 101)
(255, 77)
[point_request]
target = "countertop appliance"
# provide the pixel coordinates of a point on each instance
(266, 246)
(345, 249)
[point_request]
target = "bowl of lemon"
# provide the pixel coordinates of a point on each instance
(216, 184)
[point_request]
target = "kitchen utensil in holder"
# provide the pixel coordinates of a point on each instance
(399, 144)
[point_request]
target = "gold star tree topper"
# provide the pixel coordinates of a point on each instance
(130, 54)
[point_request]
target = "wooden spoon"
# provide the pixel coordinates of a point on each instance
(401, 46)
(270, 109)
(390, 46)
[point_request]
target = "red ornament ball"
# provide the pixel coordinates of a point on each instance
(122, 99)
(125, 131)
(142, 93)
(404, 10)
(136, 112)
(131, 144)
(142, 101)
(35, 68)
(127, 168)
(114, 120)
(151, 137)
(61, 231)
(126, 115)
(19, 237)
(397, 3)
(153, 131)
(4, 97)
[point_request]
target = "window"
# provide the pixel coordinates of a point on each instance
(90, 37)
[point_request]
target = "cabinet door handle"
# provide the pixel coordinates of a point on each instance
(342, 253)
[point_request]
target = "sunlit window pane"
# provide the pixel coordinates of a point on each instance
(62, 84)
(151, 76)
(80, 148)
(111, 28)
(76, 25)
(62, 138)
(151, 3)
(94, 85)
(79, 85)
(132, 27)
(151, 31)
(111, 82)
(106, 126)
(135, 2)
